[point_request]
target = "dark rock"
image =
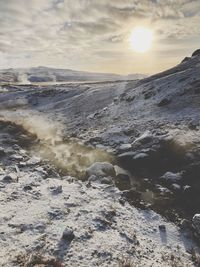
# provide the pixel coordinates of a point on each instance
(145, 138)
(7, 179)
(55, 214)
(106, 180)
(165, 101)
(27, 188)
(126, 156)
(162, 228)
(140, 156)
(196, 223)
(68, 234)
(125, 147)
(187, 189)
(176, 187)
(171, 177)
(56, 189)
(101, 169)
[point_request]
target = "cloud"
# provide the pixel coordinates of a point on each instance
(77, 33)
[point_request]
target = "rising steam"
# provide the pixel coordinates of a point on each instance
(69, 157)
(23, 78)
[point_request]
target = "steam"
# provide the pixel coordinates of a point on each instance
(23, 78)
(69, 157)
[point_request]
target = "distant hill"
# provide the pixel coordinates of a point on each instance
(45, 74)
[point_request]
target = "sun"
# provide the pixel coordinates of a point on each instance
(141, 39)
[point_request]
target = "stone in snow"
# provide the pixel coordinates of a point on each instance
(9, 178)
(68, 234)
(196, 223)
(101, 169)
(171, 177)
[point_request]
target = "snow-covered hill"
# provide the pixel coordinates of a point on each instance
(44, 74)
(147, 131)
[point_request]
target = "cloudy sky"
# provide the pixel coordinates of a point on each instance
(94, 35)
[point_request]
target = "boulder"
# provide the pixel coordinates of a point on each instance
(100, 179)
(125, 147)
(171, 177)
(9, 178)
(196, 223)
(101, 169)
(68, 234)
(145, 138)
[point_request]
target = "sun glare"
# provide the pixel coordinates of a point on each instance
(141, 39)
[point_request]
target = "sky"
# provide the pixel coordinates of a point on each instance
(94, 35)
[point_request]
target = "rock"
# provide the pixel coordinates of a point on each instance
(163, 190)
(162, 228)
(2, 171)
(41, 169)
(145, 138)
(16, 147)
(140, 156)
(185, 224)
(196, 223)
(2, 151)
(56, 189)
(22, 164)
(2, 185)
(27, 188)
(100, 179)
(33, 161)
(171, 177)
(106, 180)
(125, 147)
(116, 99)
(55, 214)
(176, 187)
(16, 157)
(68, 234)
(127, 156)
(165, 101)
(40, 227)
(8, 179)
(101, 169)
(187, 189)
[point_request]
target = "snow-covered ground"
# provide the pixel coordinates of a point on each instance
(150, 127)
